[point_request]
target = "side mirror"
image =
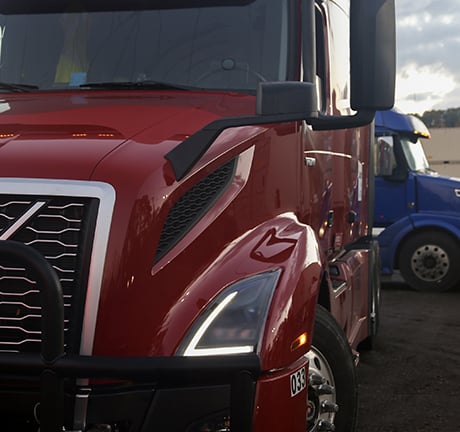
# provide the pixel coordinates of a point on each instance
(373, 59)
(385, 160)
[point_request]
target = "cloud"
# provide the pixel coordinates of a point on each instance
(428, 56)
(419, 88)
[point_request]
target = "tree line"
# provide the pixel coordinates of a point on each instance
(441, 118)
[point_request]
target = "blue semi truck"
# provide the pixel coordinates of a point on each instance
(416, 211)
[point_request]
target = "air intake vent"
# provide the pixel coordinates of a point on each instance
(192, 206)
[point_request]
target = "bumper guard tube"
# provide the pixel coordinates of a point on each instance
(53, 365)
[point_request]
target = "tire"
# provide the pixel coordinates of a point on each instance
(428, 262)
(332, 388)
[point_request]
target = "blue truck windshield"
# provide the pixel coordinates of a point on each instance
(415, 156)
(218, 48)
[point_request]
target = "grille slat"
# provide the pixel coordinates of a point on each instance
(58, 230)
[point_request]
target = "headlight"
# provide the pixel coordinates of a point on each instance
(233, 322)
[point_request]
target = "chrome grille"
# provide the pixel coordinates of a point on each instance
(60, 228)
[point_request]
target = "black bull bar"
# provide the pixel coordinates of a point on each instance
(53, 365)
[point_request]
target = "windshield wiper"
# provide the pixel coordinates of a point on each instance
(148, 85)
(14, 87)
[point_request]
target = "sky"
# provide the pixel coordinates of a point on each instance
(428, 55)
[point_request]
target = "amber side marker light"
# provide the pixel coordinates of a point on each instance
(422, 134)
(299, 341)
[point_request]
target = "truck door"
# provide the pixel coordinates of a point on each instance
(394, 183)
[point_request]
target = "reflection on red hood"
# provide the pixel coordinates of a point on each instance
(66, 134)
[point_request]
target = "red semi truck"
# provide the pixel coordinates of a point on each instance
(185, 212)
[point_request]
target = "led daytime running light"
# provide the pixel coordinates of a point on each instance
(191, 350)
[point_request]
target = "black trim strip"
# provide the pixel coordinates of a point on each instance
(161, 370)
(185, 155)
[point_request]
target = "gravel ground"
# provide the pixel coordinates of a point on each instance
(410, 382)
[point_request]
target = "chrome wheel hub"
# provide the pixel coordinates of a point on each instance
(321, 405)
(430, 263)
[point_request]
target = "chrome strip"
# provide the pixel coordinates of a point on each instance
(340, 289)
(327, 153)
(377, 231)
(84, 189)
(81, 408)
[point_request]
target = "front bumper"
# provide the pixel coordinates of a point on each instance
(162, 393)
(158, 393)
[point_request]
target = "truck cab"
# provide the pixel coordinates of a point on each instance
(184, 212)
(416, 213)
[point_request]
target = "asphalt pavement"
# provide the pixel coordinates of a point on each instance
(410, 382)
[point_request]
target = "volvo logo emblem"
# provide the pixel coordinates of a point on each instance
(22, 220)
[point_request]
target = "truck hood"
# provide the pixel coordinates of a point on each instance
(120, 138)
(66, 135)
(438, 193)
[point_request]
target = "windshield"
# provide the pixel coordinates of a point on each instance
(415, 155)
(224, 48)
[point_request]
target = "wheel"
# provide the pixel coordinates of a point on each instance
(332, 385)
(428, 262)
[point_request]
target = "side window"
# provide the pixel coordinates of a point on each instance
(385, 160)
(321, 75)
(339, 55)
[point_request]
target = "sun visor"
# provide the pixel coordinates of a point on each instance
(10, 7)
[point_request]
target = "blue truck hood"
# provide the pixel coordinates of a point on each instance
(438, 194)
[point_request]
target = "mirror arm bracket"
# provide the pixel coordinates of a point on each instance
(361, 118)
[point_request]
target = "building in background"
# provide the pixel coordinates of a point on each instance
(443, 150)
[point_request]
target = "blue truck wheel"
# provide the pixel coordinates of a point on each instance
(428, 262)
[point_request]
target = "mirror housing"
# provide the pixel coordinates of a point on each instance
(373, 59)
